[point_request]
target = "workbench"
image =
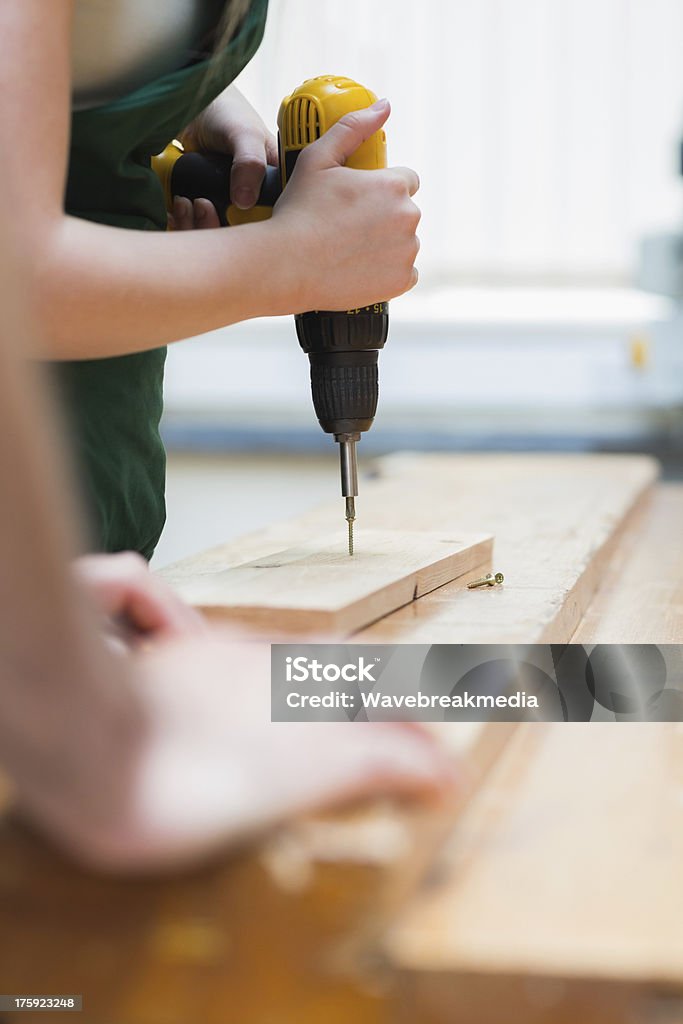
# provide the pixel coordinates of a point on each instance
(552, 893)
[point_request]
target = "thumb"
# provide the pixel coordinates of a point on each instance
(343, 139)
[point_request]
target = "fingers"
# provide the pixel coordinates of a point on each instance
(410, 763)
(343, 138)
(408, 760)
(272, 155)
(123, 588)
(409, 176)
(368, 760)
(188, 216)
(183, 217)
(205, 214)
(248, 169)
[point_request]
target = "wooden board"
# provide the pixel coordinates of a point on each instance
(557, 520)
(562, 894)
(559, 896)
(317, 587)
(641, 596)
(265, 934)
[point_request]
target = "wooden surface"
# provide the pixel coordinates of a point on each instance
(557, 896)
(566, 871)
(641, 594)
(273, 933)
(556, 519)
(317, 587)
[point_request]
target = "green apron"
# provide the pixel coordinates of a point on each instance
(114, 405)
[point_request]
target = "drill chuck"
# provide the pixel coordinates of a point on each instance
(343, 350)
(345, 390)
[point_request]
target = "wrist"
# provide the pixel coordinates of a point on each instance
(275, 282)
(288, 286)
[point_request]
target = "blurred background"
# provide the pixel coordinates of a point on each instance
(547, 137)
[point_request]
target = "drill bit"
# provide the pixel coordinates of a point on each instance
(349, 478)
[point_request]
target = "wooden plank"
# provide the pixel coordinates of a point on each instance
(556, 520)
(263, 935)
(318, 588)
(641, 596)
(565, 876)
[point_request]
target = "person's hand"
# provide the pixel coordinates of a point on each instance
(212, 769)
(229, 125)
(134, 603)
(353, 231)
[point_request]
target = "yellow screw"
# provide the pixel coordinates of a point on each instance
(487, 581)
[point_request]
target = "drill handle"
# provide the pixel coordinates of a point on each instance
(207, 176)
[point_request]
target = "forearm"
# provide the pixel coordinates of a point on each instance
(96, 290)
(70, 723)
(104, 291)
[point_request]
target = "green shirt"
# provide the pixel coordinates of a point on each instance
(114, 405)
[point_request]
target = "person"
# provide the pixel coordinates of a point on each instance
(92, 89)
(133, 735)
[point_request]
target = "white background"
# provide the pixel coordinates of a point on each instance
(545, 131)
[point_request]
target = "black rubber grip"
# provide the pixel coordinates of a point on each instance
(207, 176)
(345, 390)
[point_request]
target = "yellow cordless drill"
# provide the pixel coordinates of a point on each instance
(343, 347)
